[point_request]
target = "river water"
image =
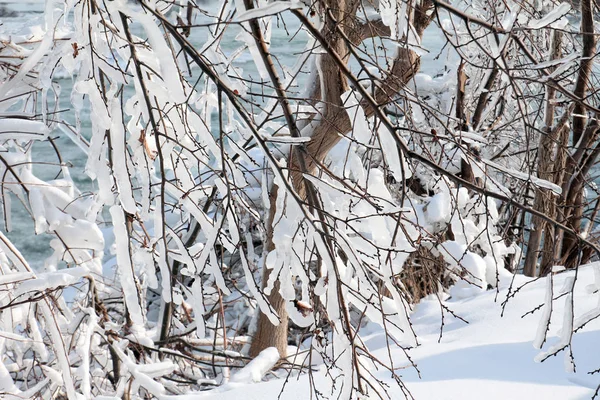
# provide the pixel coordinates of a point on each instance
(18, 16)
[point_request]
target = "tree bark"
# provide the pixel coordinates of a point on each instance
(546, 169)
(585, 67)
(341, 29)
(583, 137)
(268, 335)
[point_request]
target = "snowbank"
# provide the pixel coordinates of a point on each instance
(490, 357)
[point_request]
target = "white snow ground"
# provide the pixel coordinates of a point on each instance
(491, 357)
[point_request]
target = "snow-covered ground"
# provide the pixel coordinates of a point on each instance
(491, 357)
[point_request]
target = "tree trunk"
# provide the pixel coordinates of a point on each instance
(583, 138)
(267, 335)
(550, 254)
(585, 68)
(341, 29)
(546, 170)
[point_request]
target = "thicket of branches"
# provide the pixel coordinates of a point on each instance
(290, 202)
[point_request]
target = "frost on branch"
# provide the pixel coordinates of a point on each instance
(240, 196)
